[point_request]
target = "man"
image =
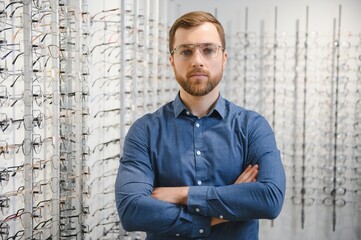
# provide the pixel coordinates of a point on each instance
(189, 169)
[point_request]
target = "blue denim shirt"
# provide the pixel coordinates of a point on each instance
(171, 147)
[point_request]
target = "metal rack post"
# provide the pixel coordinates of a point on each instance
(28, 110)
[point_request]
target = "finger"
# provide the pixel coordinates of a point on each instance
(246, 171)
(248, 175)
(243, 175)
(251, 175)
(155, 193)
(248, 168)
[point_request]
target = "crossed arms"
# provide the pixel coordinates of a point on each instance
(179, 195)
(183, 210)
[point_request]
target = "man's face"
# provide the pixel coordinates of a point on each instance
(198, 75)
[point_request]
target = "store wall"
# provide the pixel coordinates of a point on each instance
(74, 75)
(232, 12)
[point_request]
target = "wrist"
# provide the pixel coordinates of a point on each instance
(184, 195)
(215, 221)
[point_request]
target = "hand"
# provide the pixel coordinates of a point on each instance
(249, 175)
(176, 195)
(215, 221)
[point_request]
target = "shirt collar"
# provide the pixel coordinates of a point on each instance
(178, 106)
(219, 107)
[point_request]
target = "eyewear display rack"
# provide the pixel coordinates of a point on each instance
(129, 77)
(307, 84)
(43, 91)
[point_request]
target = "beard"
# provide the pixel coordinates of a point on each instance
(196, 86)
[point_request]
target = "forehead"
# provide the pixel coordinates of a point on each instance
(205, 33)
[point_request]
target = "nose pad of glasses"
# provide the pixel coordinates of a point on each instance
(197, 57)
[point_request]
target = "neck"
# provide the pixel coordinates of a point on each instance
(199, 105)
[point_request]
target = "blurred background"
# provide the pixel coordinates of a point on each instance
(75, 74)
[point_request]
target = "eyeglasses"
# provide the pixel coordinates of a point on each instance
(186, 51)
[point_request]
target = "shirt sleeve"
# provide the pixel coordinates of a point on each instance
(245, 201)
(138, 211)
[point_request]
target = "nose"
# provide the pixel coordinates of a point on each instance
(197, 58)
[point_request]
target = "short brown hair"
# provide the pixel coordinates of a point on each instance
(195, 19)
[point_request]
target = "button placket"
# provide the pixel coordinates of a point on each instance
(198, 148)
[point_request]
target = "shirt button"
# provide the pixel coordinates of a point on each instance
(221, 216)
(177, 235)
(187, 113)
(197, 210)
(201, 230)
(198, 153)
(199, 182)
(197, 125)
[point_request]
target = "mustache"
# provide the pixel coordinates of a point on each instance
(197, 71)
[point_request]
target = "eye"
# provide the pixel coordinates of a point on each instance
(209, 50)
(186, 51)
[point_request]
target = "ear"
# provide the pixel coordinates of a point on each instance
(171, 60)
(225, 56)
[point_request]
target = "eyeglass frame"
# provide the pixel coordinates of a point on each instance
(198, 45)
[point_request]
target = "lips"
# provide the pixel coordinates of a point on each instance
(197, 73)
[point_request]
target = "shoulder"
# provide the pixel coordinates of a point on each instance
(245, 120)
(245, 115)
(151, 121)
